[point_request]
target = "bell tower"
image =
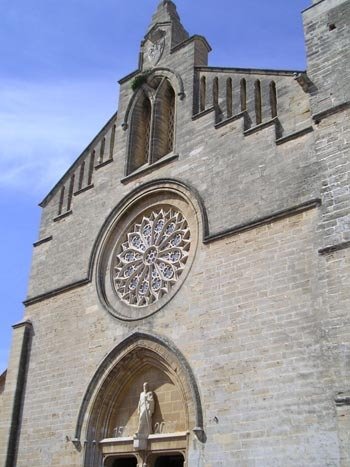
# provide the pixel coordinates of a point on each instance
(328, 53)
(164, 33)
(327, 38)
(166, 14)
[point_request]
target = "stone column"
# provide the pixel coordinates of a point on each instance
(13, 395)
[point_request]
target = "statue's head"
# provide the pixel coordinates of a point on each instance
(145, 387)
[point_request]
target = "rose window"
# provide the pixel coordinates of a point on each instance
(151, 257)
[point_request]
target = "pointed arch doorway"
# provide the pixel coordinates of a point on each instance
(110, 415)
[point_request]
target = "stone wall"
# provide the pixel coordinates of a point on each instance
(246, 177)
(261, 318)
(263, 385)
(327, 38)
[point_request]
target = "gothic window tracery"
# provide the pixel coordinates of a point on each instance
(171, 127)
(140, 142)
(151, 257)
(152, 124)
(147, 251)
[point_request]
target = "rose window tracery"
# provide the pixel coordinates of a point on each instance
(151, 257)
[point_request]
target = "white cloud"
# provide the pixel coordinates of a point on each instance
(44, 127)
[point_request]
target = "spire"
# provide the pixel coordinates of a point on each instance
(166, 13)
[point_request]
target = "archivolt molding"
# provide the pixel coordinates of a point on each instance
(129, 111)
(157, 194)
(174, 79)
(119, 366)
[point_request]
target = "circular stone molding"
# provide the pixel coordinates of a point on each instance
(146, 254)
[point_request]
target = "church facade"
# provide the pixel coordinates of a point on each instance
(189, 299)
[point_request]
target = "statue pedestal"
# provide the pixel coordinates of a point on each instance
(140, 442)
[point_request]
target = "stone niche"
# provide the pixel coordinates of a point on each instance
(169, 413)
(113, 410)
(168, 422)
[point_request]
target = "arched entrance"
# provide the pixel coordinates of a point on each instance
(169, 461)
(162, 460)
(126, 462)
(121, 462)
(128, 421)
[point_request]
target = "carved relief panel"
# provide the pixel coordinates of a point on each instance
(154, 48)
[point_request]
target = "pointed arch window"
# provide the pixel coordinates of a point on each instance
(273, 99)
(216, 92)
(152, 125)
(258, 102)
(203, 94)
(243, 90)
(164, 119)
(229, 97)
(140, 132)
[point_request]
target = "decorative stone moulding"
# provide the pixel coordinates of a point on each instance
(150, 257)
(147, 253)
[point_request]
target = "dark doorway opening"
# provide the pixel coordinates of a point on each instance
(125, 462)
(169, 461)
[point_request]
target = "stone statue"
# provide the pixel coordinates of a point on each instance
(145, 411)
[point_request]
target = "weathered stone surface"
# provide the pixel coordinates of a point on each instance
(253, 350)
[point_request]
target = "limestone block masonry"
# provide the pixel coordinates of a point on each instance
(200, 244)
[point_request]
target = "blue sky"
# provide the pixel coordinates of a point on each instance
(60, 63)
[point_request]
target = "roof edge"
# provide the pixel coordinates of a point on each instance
(265, 71)
(3, 377)
(191, 39)
(47, 198)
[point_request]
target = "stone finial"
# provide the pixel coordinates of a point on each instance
(166, 13)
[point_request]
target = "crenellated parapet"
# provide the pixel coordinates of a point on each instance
(259, 97)
(80, 177)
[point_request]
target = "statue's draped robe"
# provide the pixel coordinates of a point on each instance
(145, 410)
